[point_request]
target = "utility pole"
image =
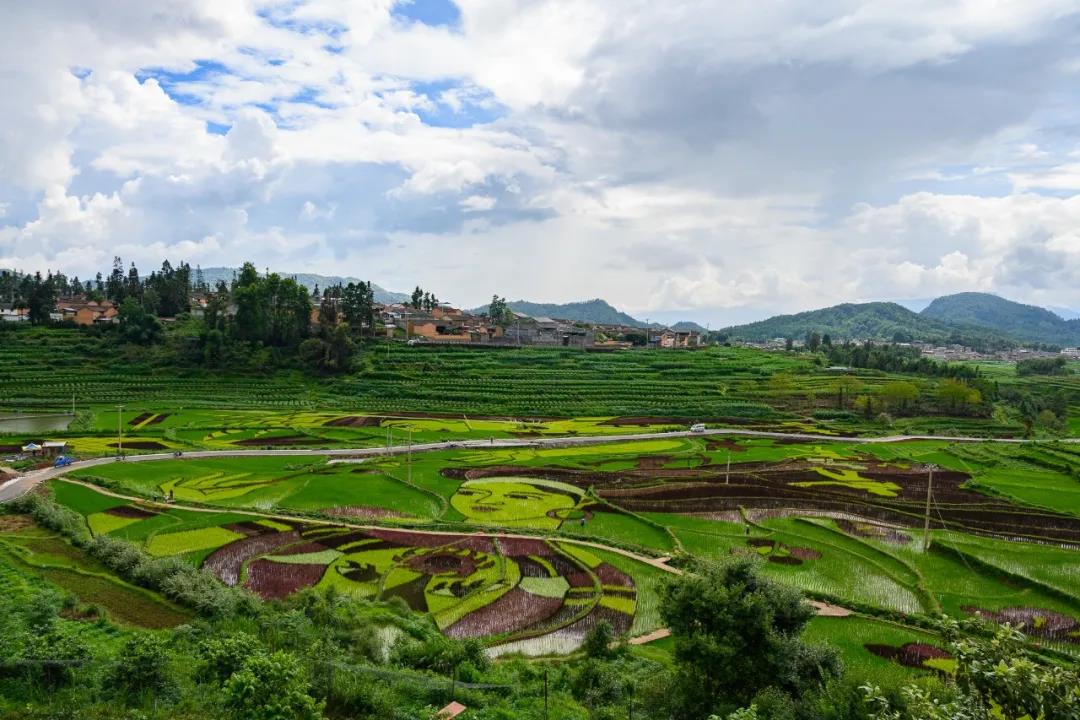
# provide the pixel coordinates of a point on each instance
(926, 524)
(727, 475)
(410, 456)
(119, 430)
(72, 403)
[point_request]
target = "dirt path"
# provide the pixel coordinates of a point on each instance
(650, 637)
(827, 610)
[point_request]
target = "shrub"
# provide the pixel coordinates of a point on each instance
(142, 669)
(271, 687)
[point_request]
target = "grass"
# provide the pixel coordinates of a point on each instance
(185, 541)
(621, 528)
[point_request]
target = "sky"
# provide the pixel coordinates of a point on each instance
(704, 159)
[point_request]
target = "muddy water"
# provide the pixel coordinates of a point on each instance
(29, 424)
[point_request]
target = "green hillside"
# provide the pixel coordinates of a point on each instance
(860, 321)
(1024, 322)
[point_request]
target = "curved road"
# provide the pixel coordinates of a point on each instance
(17, 486)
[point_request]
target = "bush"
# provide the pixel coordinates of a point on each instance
(271, 687)
(142, 669)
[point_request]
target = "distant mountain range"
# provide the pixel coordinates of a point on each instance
(976, 319)
(969, 318)
(595, 311)
(308, 280)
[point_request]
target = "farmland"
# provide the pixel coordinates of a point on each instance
(456, 393)
(840, 520)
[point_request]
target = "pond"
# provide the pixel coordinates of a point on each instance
(28, 424)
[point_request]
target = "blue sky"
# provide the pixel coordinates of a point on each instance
(435, 13)
(702, 160)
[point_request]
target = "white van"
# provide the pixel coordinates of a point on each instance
(697, 428)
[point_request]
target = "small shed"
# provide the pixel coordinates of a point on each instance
(52, 448)
(31, 449)
(451, 711)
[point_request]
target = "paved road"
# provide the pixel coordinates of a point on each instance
(14, 488)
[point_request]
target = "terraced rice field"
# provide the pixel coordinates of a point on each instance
(842, 521)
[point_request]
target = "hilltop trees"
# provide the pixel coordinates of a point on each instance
(498, 310)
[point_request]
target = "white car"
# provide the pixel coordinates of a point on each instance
(697, 428)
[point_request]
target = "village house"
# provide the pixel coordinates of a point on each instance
(85, 312)
(14, 315)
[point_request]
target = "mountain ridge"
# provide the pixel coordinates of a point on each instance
(1028, 323)
(861, 321)
(309, 280)
(596, 310)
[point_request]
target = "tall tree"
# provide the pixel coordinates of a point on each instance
(115, 285)
(736, 633)
(498, 310)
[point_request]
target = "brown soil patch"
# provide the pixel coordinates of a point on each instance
(355, 421)
(873, 531)
(159, 418)
(725, 444)
(803, 553)
(15, 523)
(270, 580)
(652, 462)
(911, 655)
(441, 563)
(140, 419)
(141, 445)
(250, 528)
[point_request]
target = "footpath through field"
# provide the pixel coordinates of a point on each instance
(12, 489)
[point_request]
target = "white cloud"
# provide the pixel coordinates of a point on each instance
(691, 154)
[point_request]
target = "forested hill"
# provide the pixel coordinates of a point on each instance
(858, 321)
(308, 280)
(1024, 322)
(591, 311)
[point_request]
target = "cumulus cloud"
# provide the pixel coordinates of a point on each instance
(703, 156)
